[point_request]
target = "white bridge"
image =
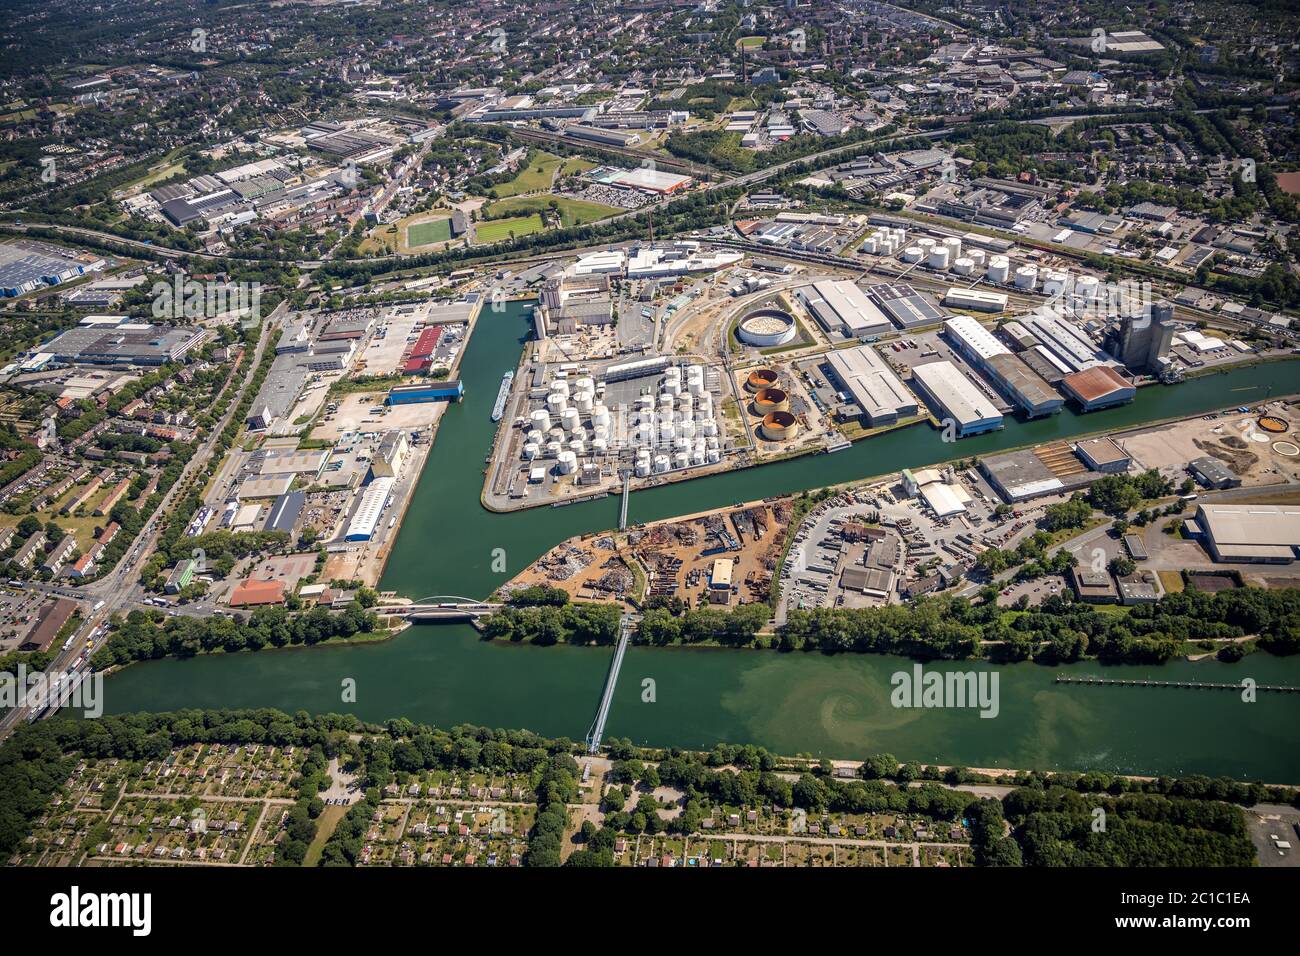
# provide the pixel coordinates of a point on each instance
(441, 607)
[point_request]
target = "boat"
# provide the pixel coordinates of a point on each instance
(503, 393)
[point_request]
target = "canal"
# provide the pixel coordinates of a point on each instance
(791, 703)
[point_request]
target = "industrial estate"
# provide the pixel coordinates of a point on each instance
(846, 340)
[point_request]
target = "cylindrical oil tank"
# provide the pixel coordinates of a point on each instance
(779, 426)
(553, 449)
(600, 415)
(1055, 282)
(953, 245)
(760, 379)
(662, 463)
(642, 467)
(531, 450)
(599, 446)
(1086, 289)
(709, 428)
(964, 266)
(666, 431)
(570, 419)
(681, 459)
(584, 402)
(540, 419)
(534, 436)
(687, 429)
(938, 258)
(1027, 277)
(870, 245)
(912, 254)
(713, 456)
(999, 269)
(556, 403)
(585, 384)
(560, 387)
(925, 244)
(771, 400)
(578, 446)
(568, 462)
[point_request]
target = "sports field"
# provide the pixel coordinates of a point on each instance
(427, 233)
(499, 230)
(573, 212)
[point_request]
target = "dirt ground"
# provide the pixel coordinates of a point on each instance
(1234, 439)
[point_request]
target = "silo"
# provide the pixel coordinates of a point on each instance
(599, 446)
(560, 387)
(870, 244)
(600, 415)
(681, 459)
(578, 446)
(953, 245)
(585, 384)
(642, 467)
(687, 429)
(666, 431)
(556, 403)
(713, 456)
(553, 449)
(999, 269)
(709, 428)
(925, 244)
(584, 402)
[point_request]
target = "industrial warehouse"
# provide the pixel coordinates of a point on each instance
(1255, 534)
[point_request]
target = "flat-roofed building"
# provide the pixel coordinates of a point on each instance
(1213, 473)
(1010, 375)
(1255, 534)
(1103, 454)
(872, 385)
(840, 306)
(953, 397)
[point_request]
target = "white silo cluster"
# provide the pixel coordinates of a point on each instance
(886, 242)
(571, 424)
(679, 424)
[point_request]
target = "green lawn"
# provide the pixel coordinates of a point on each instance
(499, 230)
(427, 233)
(573, 212)
(538, 175)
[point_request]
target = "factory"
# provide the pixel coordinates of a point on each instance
(1051, 469)
(906, 307)
(839, 306)
(1062, 343)
(25, 267)
(1256, 534)
(1098, 387)
(976, 300)
(872, 385)
(949, 392)
(1009, 374)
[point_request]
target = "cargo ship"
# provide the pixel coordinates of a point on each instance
(503, 393)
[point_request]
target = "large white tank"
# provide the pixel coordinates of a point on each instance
(666, 431)
(584, 402)
(709, 428)
(925, 243)
(662, 463)
(686, 429)
(531, 450)
(681, 459)
(1055, 282)
(599, 446)
(714, 455)
(644, 435)
(938, 257)
(666, 402)
(1086, 290)
(570, 419)
(599, 415)
(646, 401)
(953, 245)
(585, 384)
(642, 467)
(540, 419)
(568, 462)
(534, 436)
(912, 254)
(681, 443)
(698, 456)
(964, 266)
(556, 403)
(999, 269)
(578, 446)
(553, 449)
(1027, 277)
(556, 433)
(673, 387)
(870, 244)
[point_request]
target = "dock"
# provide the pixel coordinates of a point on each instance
(1185, 684)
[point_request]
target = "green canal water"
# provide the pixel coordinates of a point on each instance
(790, 703)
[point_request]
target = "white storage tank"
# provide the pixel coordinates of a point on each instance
(926, 244)
(556, 403)
(540, 420)
(578, 446)
(568, 462)
(1027, 277)
(714, 456)
(1086, 289)
(964, 266)
(709, 429)
(1055, 282)
(953, 245)
(599, 446)
(999, 269)
(686, 429)
(585, 384)
(912, 254)
(569, 420)
(553, 449)
(642, 467)
(600, 415)
(661, 463)
(939, 258)
(584, 402)
(681, 459)
(560, 387)
(531, 450)
(870, 244)
(667, 432)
